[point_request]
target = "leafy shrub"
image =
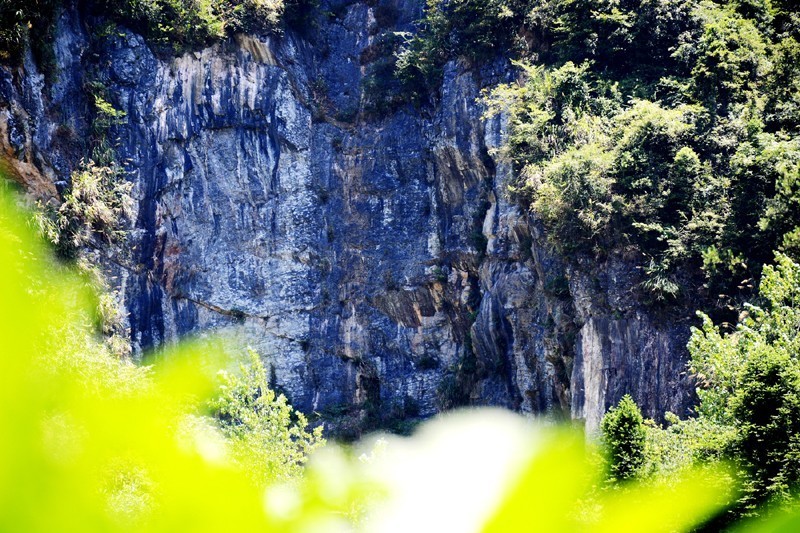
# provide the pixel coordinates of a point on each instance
(105, 117)
(173, 26)
(694, 173)
(572, 194)
(95, 208)
(180, 25)
(599, 173)
(730, 59)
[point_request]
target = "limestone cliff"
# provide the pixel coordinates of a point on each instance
(378, 264)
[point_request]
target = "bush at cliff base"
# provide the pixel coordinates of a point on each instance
(90, 442)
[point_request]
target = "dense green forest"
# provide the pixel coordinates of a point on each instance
(667, 131)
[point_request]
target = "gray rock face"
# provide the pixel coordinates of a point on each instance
(377, 264)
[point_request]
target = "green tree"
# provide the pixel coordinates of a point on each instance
(731, 59)
(766, 404)
(749, 388)
(269, 438)
(623, 434)
(783, 85)
(768, 409)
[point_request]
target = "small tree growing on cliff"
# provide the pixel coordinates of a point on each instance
(268, 437)
(624, 439)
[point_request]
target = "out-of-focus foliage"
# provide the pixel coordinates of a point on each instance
(494, 471)
(558, 491)
(94, 442)
(83, 431)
